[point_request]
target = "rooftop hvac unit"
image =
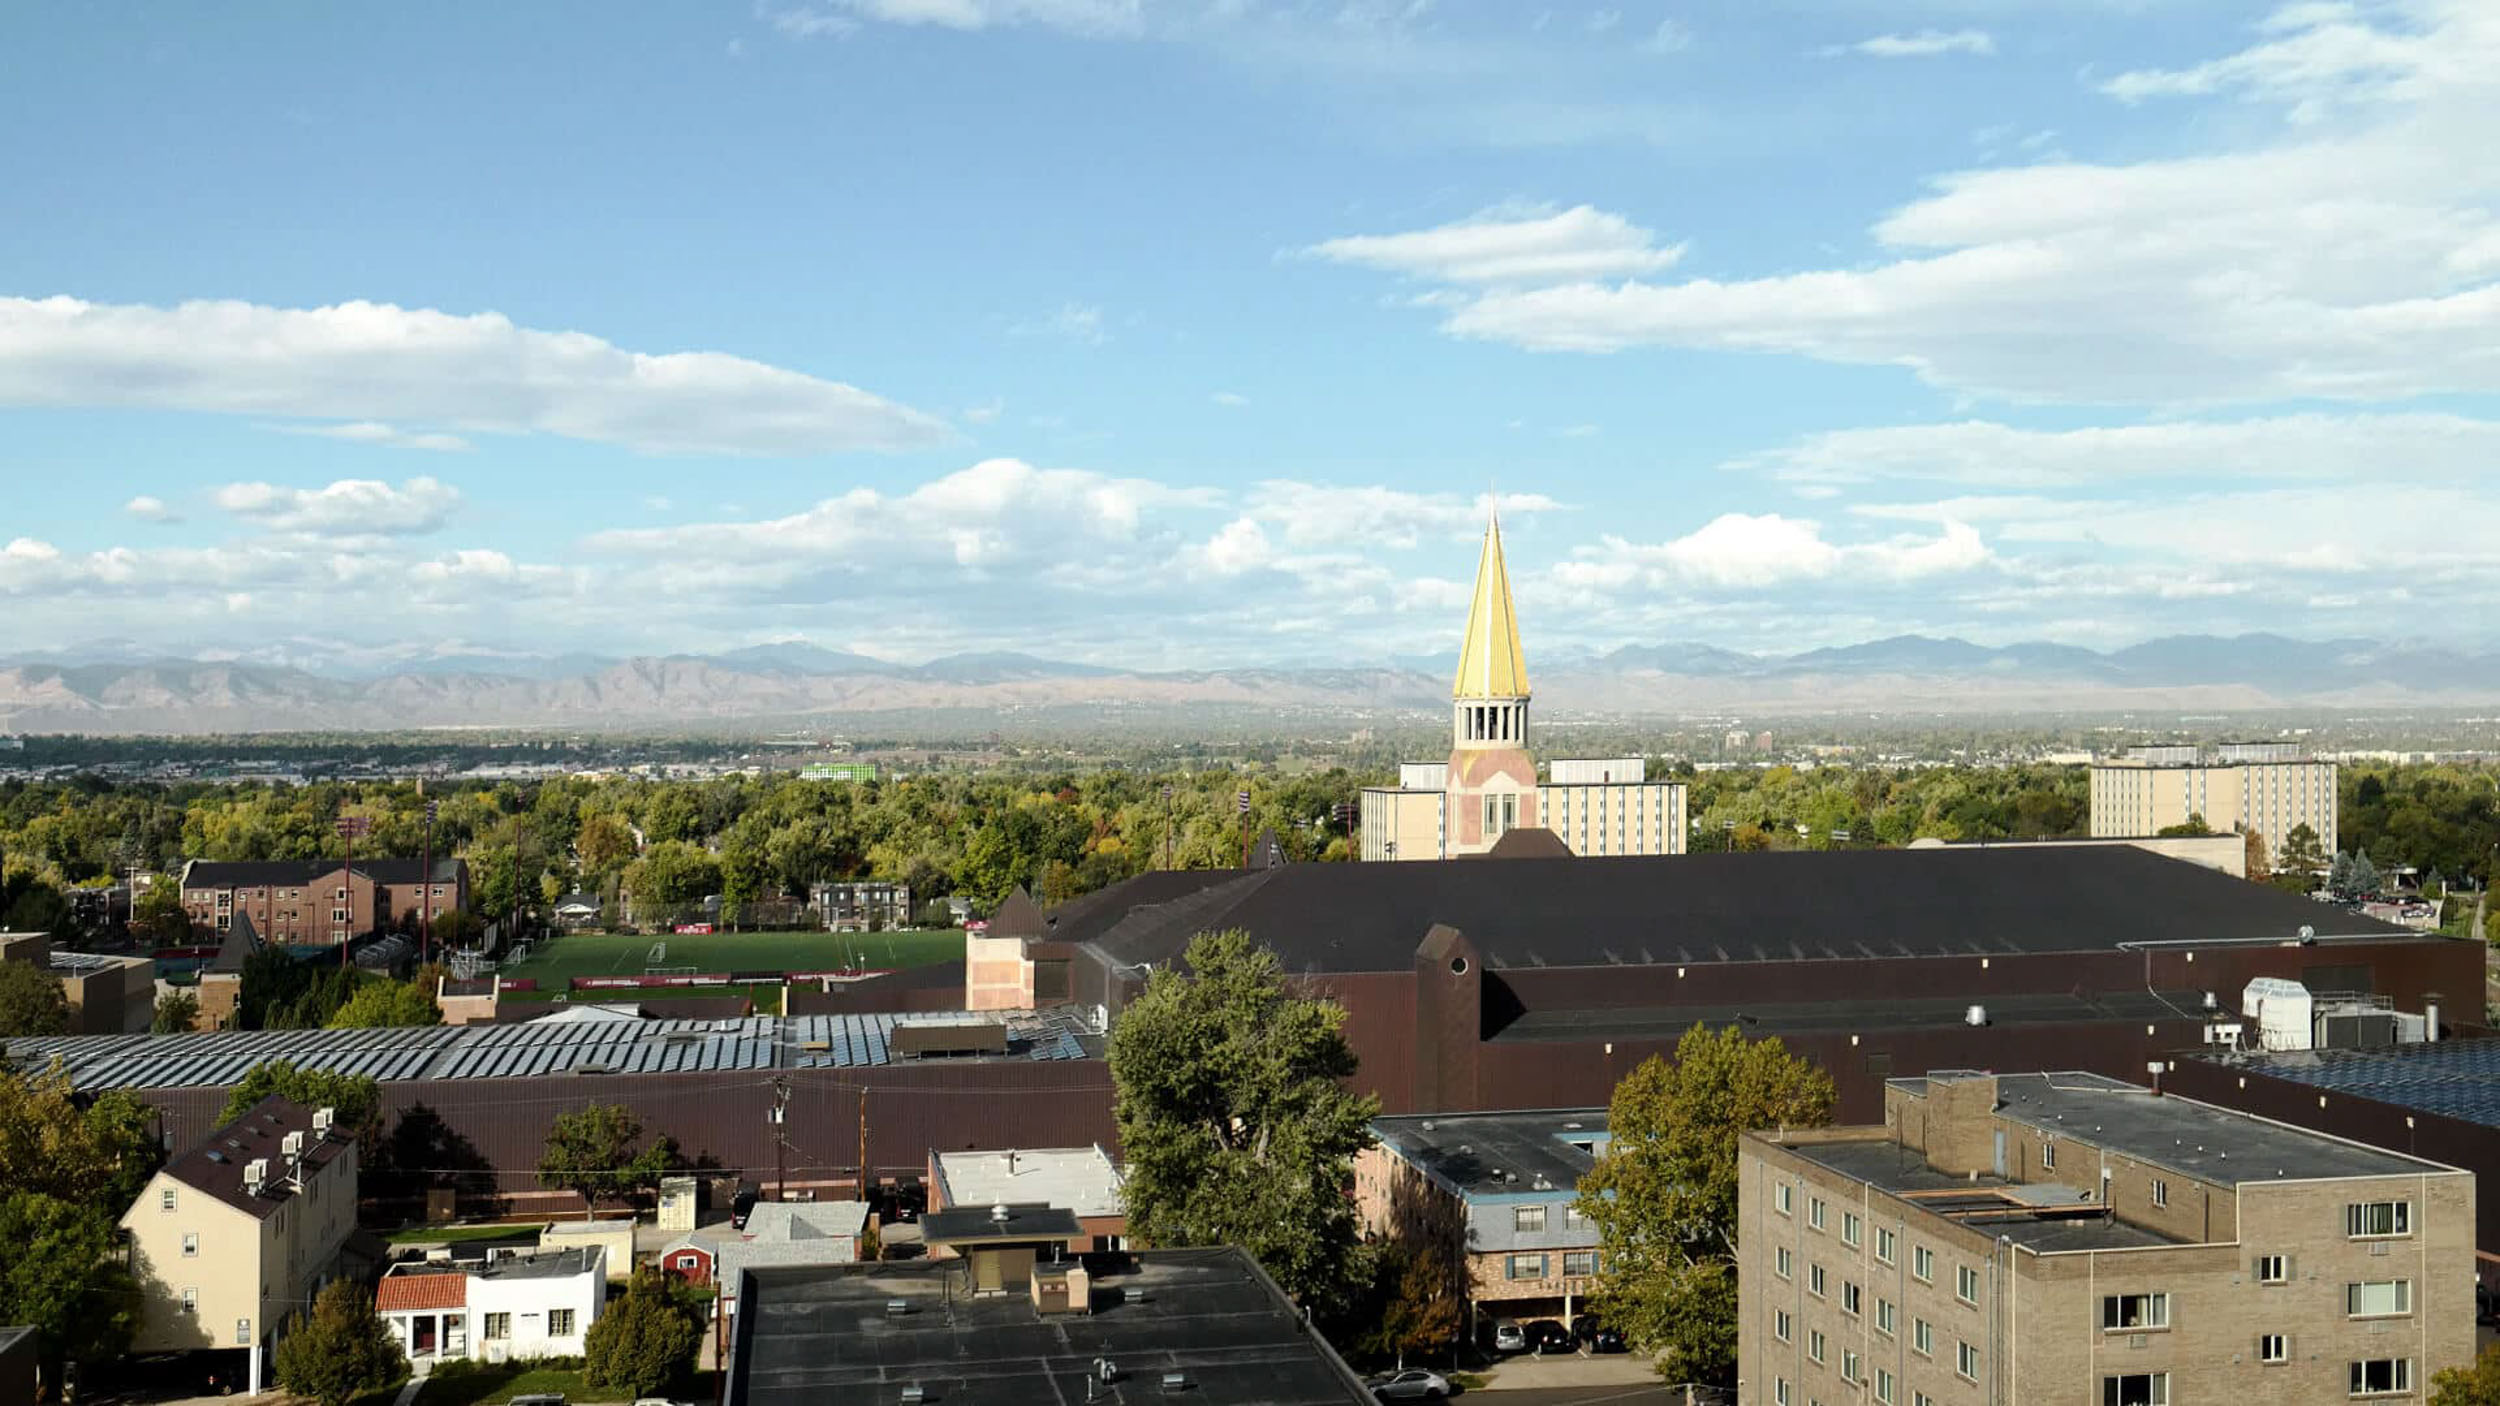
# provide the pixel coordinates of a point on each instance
(913, 1394)
(256, 1175)
(1976, 1015)
(292, 1144)
(896, 1308)
(1175, 1382)
(323, 1118)
(1000, 1215)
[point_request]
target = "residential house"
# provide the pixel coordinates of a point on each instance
(862, 905)
(1083, 1180)
(578, 912)
(1499, 1189)
(318, 902)
(508, 1309)
(241, 1230)
(776, 1233)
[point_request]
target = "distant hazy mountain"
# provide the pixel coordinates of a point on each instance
(120, 687)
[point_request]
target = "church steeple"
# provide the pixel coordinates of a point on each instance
(1489, 662)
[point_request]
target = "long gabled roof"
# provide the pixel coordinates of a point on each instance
(217, 1163)
(1685, 909)
(264, 873)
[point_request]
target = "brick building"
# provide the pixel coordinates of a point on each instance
(316, 901)
(2071, 1240)
(1498, 1189)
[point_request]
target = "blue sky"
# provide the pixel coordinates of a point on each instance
(1179, 333)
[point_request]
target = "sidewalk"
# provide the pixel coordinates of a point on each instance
(1570, 1370)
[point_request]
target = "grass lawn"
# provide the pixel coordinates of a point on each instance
(557, 960)
(472, 1384)
(767, 999)
(454, 1234)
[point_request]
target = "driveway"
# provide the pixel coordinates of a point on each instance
(1528, 1372)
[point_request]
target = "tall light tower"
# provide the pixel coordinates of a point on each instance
(349, 827)
(425, 890)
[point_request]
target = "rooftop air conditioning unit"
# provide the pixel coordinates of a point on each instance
(256, 1175)
(1000, 1215)
(323, 1118)
(912, 1395)
(1175, 1382)
(292, 1144)
(1976, 1015)
(896, 1308)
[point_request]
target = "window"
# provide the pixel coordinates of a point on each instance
(1814, 1343)
(1779, 1391)
(1850, 1303)
(339, 894)
(1849, 1370)
(1782, 1325)
(190, 1246)
(1815, 1283)
(559, 1322)
(1574, 1218)
(498, 1327)
(2048, 1156)
(1814, 1212)
(1527, 1266)
(2133, 1313)
(2382, 1376)
(2274, 1347)
(1883, 1386)
(2136, 1389)
(2161, 1192)
(2273, 1269)
(165, 1199)
(1885, 1243)
(1920, 1398)
(1528, 1220)
(1579, 1264)
(2384, 1298)
(1852, 1229)
(1922, 1264)
(1783, 1264)
(1923, 1337)
(2364, 1218)
(190, 1300)
(1966, 1360)
(1966, 1283)
(1887, 1318)
(243, 1332)
(1784, 1199)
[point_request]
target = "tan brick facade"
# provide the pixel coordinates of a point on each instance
(2032, 1325)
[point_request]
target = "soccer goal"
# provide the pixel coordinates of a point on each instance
(658, 955)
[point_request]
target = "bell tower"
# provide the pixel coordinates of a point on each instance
(1492, 780)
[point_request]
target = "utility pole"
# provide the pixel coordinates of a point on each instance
(349, 827)
(425, 891)
(863, 1138)
(781, 1140)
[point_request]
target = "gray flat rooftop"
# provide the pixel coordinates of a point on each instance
(546, 1264)
(821, 1334)
(1992, 1205)
(1487, 1154)
(2197, 1139)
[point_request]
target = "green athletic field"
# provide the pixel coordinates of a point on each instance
(552, 963)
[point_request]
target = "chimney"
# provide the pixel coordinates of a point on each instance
(2430, 1016)
(2155, 1068)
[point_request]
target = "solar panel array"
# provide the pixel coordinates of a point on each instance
(222, 1058)
(2456, 1078)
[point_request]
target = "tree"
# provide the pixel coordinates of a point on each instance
(342, 1351)
(2193, 825)
(2297, 867)
(102, 1150)
(379, 1005)
(354, 1100)
(64, 1276)
(1424, 1304)
(591, 1153)
(2253, 856)
(647, 1342)
(2478, 1385)
(157, 915)
(2339, 875)
(31, 1001)
(2364, 878)
(1236, 1123)
(1663, 1195)
(176, 1012)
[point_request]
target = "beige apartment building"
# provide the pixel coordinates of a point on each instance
(240, 1231)
(1490, 786)
(2071, 1240)
(2149, 791)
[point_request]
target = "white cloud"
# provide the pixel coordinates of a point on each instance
(1077, 322)
(2348, 261)
(388, 436)
(1104, 18)
(147, 507)
(985, 412)
(1512, 244)
(1234, 399)
(351, 507)
(1670, 37)
(373, 361)
(2320, 56)
(1742, 551)
(1927, 43)
(1314, 515)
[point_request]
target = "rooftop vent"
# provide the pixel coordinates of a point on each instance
(999, 1214)
(1976, 1015)
(896, 1308)
(913, 1394)
(1175, 1382)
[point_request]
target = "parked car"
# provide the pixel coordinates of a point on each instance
(1410, 1386)
(742, 1203)
(1596, 1336)
(1545, 1335)
(1509, 1336)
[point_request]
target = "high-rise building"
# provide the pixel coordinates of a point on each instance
(2268, 792)
(2072, 1240)
(1489, 786)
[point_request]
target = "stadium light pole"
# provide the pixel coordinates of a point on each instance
(425, 891)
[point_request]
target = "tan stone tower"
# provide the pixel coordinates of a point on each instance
(1492, 780)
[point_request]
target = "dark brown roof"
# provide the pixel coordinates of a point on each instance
(216, 1165)
(241, 941)
(207, 874)
(1702, 908)
(1529, 842)
(1017, 917)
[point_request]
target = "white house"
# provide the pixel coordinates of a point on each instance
(520, 1306)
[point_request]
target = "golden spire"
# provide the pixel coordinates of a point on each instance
(1489, 662)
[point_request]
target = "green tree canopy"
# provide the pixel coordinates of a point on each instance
(2476, 1385)
(63, 1274)
(2193, 825)
(647, 1342)
(52, 1143)
(31, 1001)
(341, 1351)
(1235, 1122)
(355, 1100)
(176, 1012)
(388, 1004)
(591, 1153)
(1663, 1195)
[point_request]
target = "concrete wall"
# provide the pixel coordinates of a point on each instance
(530, 1302)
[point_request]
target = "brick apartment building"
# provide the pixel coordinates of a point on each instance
(315, 901)
(1500, 1191)
(2071, 1240)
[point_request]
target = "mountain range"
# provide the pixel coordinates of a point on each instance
(296, 685)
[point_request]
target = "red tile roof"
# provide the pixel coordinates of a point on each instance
(421, 1292)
